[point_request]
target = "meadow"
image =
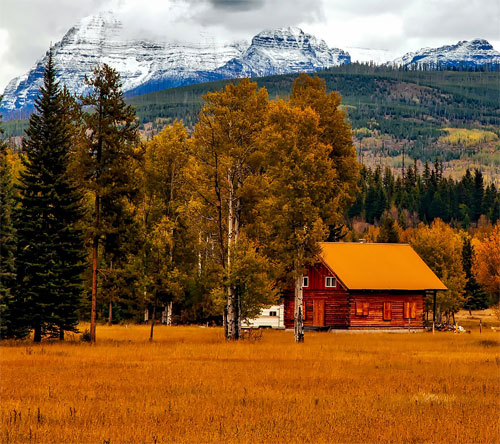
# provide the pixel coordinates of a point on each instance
(191, 386)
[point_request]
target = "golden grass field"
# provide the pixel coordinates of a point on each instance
(190, 386)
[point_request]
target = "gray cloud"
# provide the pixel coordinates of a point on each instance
(252, 16)
(29, 26)
(409, 25)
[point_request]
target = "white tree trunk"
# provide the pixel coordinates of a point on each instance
(232, 298)
(298, 315)
(169, 313)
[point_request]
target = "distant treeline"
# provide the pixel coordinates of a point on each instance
(425, 196)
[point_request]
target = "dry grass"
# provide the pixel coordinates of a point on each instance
(190, 386)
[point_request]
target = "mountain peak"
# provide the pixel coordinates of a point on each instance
(466, 52)
(284, 50)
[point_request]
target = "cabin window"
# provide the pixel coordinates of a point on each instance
(305, 281)
(330, 282)
(272, 313)
(410, 310)
(362, 308)
(387, 311)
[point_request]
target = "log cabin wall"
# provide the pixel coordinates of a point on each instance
(386, 310)
(323, 306)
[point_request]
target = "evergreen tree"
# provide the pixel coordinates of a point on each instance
(389, 232)
(478, 192)
(50, 246)
(9, 325)
(110, 135)
(476, 297)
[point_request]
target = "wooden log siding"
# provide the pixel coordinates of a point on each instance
(378, 313)
(339, 308)
(335, 311)
(331, 304)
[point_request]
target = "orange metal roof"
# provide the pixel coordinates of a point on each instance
(363, 266)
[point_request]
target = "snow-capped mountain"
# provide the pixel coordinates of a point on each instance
(146, 65)
(465, 53)
(284, 50)
(141, 63)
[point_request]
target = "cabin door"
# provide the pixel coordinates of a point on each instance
(318, 313)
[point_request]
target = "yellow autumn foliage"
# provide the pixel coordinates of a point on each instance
(487, 262)
(467, 137)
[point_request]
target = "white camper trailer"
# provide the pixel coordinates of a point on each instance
(270, 317)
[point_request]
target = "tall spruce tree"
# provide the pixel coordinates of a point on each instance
(111, 133)
(9, 318)
(50, 248)
(477, 299)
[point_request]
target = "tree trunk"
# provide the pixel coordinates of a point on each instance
(37, 336)
(153, 318)
(233, 331)
(61, 334)
(110, 314)
(199, 254)
(169, 313)
(298, 315)
(95, 248)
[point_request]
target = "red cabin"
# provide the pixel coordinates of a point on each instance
(357, 286)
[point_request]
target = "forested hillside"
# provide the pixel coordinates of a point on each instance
(429, 98)
(425, 114)
(452, 115)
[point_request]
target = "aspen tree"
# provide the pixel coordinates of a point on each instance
(227, 152)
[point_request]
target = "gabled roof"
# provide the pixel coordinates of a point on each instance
(363, 266)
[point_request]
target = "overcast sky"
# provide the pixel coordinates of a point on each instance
(27, 27)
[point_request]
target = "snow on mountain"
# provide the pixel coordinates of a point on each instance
(146, 66)
(284, 50)
(366, 55)
(464, 53)
(143, 65)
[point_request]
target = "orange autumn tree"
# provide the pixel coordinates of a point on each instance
(487, 263)
(227, 156)
(311, 174)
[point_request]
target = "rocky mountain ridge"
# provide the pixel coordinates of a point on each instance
(463, 54)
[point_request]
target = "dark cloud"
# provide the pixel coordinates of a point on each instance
(237, 5)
